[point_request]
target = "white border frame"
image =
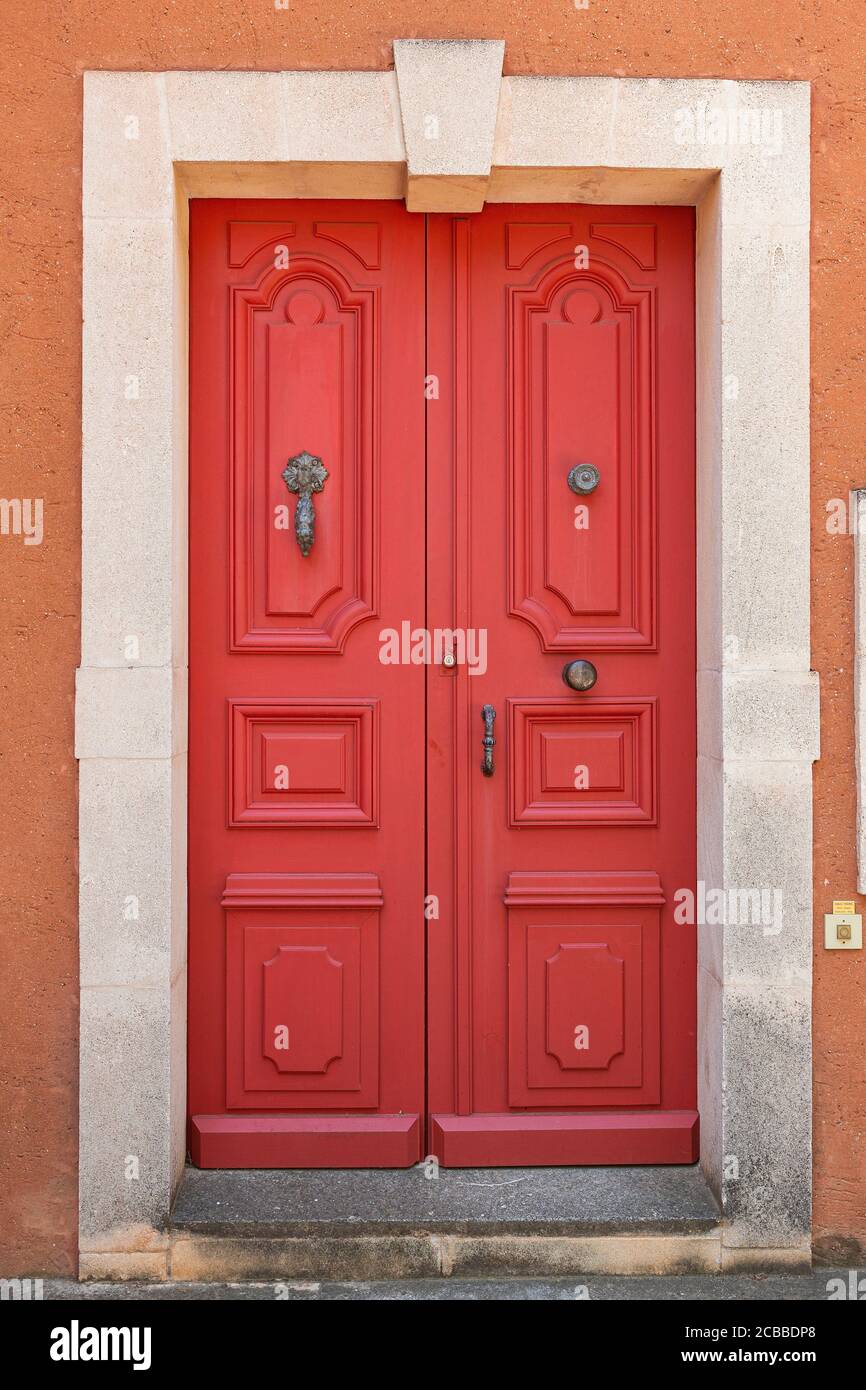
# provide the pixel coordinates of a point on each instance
(152, 140)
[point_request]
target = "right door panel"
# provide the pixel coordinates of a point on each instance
(561, 512)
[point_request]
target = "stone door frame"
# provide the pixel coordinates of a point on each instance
(447, 131)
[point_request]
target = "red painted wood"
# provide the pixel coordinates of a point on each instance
(556, 897)
(306, 761)
(583, 945)
(561, 994)
(510, 1140)
(302, 1010)
(305, 1141)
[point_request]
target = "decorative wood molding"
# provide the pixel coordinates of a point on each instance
(302, 1008)
(297, 762)
(566, 887)
(302, 890)
(558, 316)
(284, 319)
(302, 1141)
(488, 1141)
(612, 741)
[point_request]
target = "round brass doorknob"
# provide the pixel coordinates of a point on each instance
(579, 675)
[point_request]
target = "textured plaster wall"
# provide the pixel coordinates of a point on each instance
(44, 54)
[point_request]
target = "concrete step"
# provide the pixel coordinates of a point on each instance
(375, 1224)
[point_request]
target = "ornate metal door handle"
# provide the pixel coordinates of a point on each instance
(488, 714)
(305, 474)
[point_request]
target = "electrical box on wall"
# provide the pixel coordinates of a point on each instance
(843, 928)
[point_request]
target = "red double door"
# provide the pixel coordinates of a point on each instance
(442, 685)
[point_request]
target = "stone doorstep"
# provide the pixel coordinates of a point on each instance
(395, 1224)
(376, 1202)
(374, 1224)
(368, 1225)
(363, 1258)
(380, 1259)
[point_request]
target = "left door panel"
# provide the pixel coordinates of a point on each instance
(306, 769)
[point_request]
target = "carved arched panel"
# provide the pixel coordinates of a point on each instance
(304, 372)
(582, 566)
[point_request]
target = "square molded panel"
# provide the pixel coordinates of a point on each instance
(303, 762)
(582, 761)
(302, 1007)
(583, 1013)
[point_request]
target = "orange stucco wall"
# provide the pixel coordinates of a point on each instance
(44, 54)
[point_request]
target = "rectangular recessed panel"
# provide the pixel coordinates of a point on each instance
(586, 560)
(307, 760)
(303, 762)
(566, 759)
(302, 982)
(583, 1013)
(582, 761)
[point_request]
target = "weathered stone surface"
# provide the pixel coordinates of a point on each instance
(125, 1176)
(449, 97)
(354, 1257)
(731, 1288)
(119, 1265)
(473, 1201)
(546, 1256)
(768, 1120)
